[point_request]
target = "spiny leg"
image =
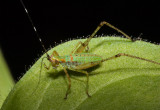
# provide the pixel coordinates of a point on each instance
(86, 73)
(115, 28)
(83, 45)
(69, 82)
(132, 56)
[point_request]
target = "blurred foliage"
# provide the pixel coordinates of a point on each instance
(6, 81)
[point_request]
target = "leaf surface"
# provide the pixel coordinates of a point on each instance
(122, 83)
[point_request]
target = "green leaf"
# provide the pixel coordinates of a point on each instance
(122, 83)
(6, 81)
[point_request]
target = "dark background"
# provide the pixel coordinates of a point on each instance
(62, 20)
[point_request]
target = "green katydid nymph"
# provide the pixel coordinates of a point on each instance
(77, 60)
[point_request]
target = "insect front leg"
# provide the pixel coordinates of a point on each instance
(54, 53)
(87, 82)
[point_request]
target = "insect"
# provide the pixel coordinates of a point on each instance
(77, 60)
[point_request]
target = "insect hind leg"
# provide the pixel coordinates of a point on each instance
(131, 56)
(80, 44)
(115, 28)
(39, 76)
(85, 44)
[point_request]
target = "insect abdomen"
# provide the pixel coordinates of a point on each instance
(86, 58)
(74, 60)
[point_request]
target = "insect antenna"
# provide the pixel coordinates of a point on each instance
(38, 36)
(35, 30)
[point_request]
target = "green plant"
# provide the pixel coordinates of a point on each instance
(6, 81)
(122, 83)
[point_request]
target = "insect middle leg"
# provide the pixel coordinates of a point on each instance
(69, 82)
(87, 82)
(83, 45)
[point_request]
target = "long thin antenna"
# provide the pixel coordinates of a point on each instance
(38, 36)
